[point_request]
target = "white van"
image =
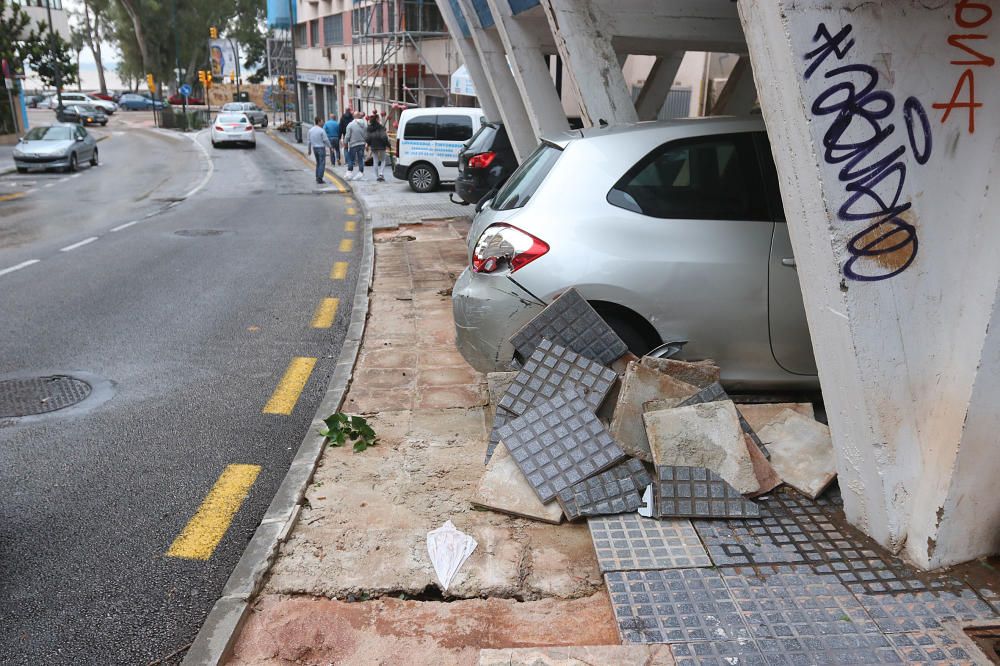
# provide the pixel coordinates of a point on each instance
(428, 142)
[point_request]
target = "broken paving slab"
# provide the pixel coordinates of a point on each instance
(759, 414)
(703, 435)
(697, 492)
(640, 386)
(503, 488)
(552, 368)
(500, 418)
(697, 373)
(801, 452)
(571, 322)
(558, 443)
(767, 478)
(629, 542)
(616, 490)
(714, 393)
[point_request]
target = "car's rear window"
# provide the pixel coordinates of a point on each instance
(482, 141)
(232, 118)
(527, 179)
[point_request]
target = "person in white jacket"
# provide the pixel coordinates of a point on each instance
(355, 137)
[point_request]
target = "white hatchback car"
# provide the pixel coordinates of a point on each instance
(233, 128)
(104, 105)
(673, 231)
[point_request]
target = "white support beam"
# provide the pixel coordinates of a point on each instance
(531, 71)
(739, 93)
(484, 93)
(579, 28)
(657, 86)
(501, 81)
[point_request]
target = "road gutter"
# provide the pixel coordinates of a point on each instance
(214, 642)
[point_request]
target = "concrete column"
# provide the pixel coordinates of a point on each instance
(657, 86)
(739, 93)
(470, 57)
(579, 29)
(531, 72)
(501, 81)
(883, 124)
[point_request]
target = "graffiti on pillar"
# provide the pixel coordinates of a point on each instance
(968, 16)
(861, 139)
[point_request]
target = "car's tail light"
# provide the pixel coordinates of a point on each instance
(482, 160)
(220, 128)
(249, 128)
(397, 145)
(502, 245)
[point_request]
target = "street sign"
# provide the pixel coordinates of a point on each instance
(185, 90)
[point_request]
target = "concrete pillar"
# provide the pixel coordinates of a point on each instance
(580, 31)
(531, 71)
(883, 123)
(657, 86)
(739, 93)
(459, 30)
(501, 81)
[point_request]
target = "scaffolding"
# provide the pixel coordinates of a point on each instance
(390, 70)
(280, 62)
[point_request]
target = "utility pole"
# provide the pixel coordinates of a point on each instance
(295, 74)
(177, 63)
(52, 50)
(236, 50)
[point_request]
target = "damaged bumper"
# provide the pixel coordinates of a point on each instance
(488, 310)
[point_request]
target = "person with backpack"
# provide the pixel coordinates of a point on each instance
(355, 138)
(332, 129)
(378, 142)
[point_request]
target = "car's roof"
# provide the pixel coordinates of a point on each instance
(435, 110)
(654, 129)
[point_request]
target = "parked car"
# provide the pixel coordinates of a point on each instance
(136, 102)
(484, 164)
(177, 99)
(83, 98)
(61, 146)
(233, 128)
(673, 231)
(48, 102)
(81, 113)
(428, 142)
(256, 115)
(33, 101)
(107, 97)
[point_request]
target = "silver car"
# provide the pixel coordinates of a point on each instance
(256, 115)
(62, 146)
(673, 231)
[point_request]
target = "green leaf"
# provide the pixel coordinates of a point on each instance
(326, 432)
(360, 446)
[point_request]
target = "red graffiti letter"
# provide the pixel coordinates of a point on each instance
(956, 41)
(962, 5)
(971, 105)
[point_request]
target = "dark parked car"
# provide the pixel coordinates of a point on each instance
(484, 164)
(135, 102)
(82, 114)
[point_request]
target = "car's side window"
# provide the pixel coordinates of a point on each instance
(80, 132)
(770, 175)
(424, 127)
(706, 178)
(454, 128)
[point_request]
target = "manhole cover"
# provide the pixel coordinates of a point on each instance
(40, 395)
(199, 232)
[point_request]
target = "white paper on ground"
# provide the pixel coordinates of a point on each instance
(448, 549)
(646, 510)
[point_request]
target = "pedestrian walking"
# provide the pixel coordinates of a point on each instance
(355, 137)
(318, 143)
(332, 129)
(345, 120)
(378, 143)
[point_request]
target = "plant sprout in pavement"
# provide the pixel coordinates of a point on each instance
(341, 428)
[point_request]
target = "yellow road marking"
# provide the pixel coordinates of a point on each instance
(290, 387)
(326, 312)
(206, 528)
(8, 197)
(346, 245)
(350, 225)
(352, 211)
(339, 271)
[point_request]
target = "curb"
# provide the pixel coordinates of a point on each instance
(215, 640)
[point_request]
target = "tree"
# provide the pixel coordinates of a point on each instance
(77, 43)
(49, 53)
(93, 25)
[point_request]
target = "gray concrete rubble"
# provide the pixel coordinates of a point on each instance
(698, 373)
(641, 385)
(801, 452)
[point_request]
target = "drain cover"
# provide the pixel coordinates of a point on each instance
(199, 232)
(40, 395)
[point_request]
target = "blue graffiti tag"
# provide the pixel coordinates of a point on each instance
(856, 139)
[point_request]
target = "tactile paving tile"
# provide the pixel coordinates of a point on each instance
(916, 611)
(500, 419)
(833, 650)
(674, 606)
(713, 393)
(792, 601)
(558, 443)
(766, 541)
(552, 368)
(721, 653)
(616, 490)
(931, 647)
(570, 321)
(697, 492)
(630, 542)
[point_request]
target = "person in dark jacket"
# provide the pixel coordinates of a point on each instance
(378, 142)
(345, 120)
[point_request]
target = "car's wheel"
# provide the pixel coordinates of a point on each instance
(22, 170)
(638, 337)
(72, 162)
(423, 178)
(253, 146)
(94, 159)
(215, 145)
(264, 124)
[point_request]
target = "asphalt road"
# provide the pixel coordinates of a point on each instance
(193, 331)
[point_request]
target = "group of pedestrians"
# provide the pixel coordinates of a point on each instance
(354, 133)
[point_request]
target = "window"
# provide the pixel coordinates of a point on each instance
(421, 127)
(526, 180)
(454, 128)
(422, 17)
(707, 178)
(314, 32)
(301, 35)
(333, 29)
(359, 20)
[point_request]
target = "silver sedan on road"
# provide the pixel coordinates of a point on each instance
(62, 146)
(673, 231)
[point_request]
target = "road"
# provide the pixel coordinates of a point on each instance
(181, 282)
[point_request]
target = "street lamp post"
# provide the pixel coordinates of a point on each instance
(177, 63)
(55, 57)
(236, 50)
(295, 75)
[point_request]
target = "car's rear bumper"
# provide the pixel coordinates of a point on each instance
(471, 189)
(399, 171)
(229, 137)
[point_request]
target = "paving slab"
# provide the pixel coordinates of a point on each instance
(701, 374)
(571, 322)
(767, 478)
(501, 417)
(801, 452)
(580, 655)
(641, 385)
(759, 414)
(697, 492)
(929, 609)
(616, 490)
(703, 435)
(715, 392)
(503, 488)
(933, 647)
(717, 653)
(629, 542)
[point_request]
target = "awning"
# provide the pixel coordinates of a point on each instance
(461, 82)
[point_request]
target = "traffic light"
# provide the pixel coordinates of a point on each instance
(208, 80)
(281, 82)
(232, 77)
(201, 76)
(150, 83)
(213, 32)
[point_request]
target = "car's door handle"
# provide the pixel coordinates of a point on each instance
(788, 261)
